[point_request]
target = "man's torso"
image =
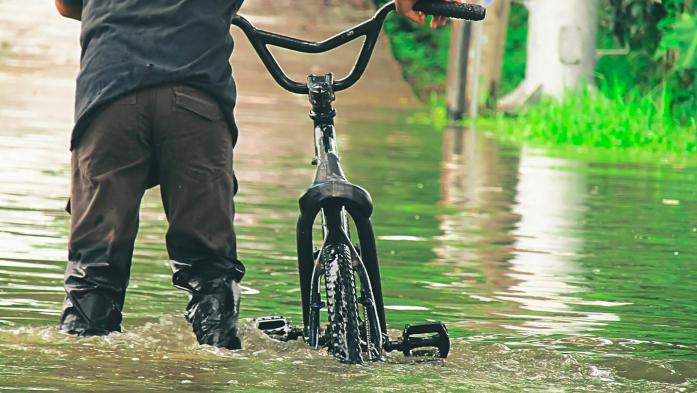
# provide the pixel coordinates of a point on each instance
(132, 44)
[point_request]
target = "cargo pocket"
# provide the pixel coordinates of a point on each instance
(192, 100)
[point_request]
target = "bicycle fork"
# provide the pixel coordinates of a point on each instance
(335, 199)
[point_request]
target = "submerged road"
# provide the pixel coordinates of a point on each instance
(552, 273)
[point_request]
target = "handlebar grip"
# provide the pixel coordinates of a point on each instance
(451, 9)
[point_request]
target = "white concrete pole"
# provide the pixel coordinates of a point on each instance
(561, 49)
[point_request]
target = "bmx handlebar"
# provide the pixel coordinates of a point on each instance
(370, 29)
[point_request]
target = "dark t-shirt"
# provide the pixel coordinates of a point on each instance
(132, 44)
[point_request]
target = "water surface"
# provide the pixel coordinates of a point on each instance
(552, 273)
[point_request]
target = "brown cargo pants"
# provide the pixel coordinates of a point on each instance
(176, 136)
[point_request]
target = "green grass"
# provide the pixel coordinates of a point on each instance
(612, 117)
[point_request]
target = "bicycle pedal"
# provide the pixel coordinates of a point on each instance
(278, 328)
(423, 335)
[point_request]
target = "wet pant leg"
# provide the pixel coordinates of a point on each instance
(193, 144)
(110, 166)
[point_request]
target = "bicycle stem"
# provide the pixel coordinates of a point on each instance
(321, 94)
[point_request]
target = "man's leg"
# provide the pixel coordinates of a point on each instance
(194, 151)
(110, 166)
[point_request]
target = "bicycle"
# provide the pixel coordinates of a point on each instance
(356, 329)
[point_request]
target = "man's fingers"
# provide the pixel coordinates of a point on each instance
(438, 21)
(441, 21)
(404, 7)
(415, 16)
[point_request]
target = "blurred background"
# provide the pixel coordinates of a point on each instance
(533, 177)
(622, 72)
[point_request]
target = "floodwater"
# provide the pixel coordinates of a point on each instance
(553, 274)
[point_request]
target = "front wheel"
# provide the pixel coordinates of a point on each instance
(344, 337)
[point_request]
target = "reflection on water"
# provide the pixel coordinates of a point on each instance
(553, 274)
(534, 206)
(33, 173)
(550, 202)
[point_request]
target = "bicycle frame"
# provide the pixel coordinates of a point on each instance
(331, 190)
(330, 186)
(332, 195)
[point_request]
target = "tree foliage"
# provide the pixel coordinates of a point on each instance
(661, 36)
(515, 54)
(634, 22)
(680, 36)
(422, 52)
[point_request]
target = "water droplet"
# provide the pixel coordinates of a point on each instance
(671, 202)
(405, 308)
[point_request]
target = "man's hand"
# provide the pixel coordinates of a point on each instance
(406, 8)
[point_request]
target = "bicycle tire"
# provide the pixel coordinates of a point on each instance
(344, 340)
(371, 333)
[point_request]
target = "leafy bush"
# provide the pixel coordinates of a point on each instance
(634, 23)
(679, 44)
(422, 52)
(515, 55)
(680, 36)
(659, 35)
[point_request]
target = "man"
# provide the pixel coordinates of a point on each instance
(154, 105)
